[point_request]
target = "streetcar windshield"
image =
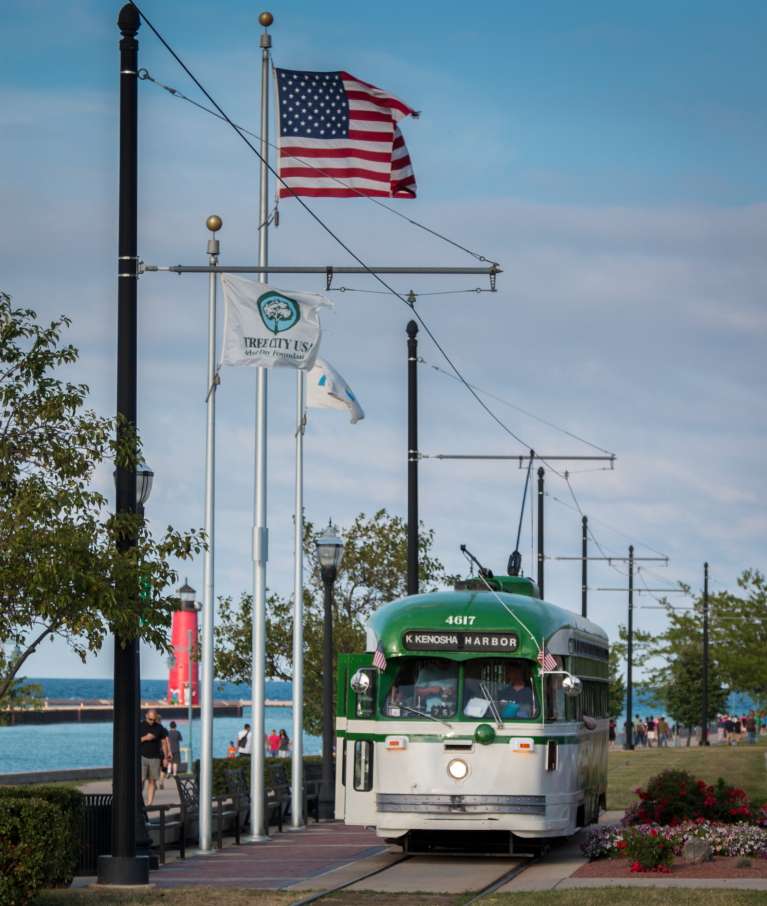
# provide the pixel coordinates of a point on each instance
(502, 687)
(424, 687)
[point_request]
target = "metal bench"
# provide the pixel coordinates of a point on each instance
(276, 798)
(163, 823)
(225, 807)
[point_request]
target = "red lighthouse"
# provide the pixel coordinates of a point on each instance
(183, 674)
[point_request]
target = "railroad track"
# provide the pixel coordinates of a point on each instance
(521, 864)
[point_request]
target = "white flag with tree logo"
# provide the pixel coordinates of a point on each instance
(326, 389)
(270, 327)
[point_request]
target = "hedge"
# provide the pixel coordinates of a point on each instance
(32, 833)
(273, 767)
(62, 862)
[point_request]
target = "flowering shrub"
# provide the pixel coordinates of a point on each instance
(673, 797)
(725, 839)
(647, 851)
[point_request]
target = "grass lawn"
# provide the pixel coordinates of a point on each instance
(208, 896)
(743, 766)
(631, 896)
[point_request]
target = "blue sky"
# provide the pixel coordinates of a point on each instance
(610, 157)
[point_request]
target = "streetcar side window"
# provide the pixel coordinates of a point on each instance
(423, 687)
(363, 765)
(498, 685)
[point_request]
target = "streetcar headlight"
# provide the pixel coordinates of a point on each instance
(457, 768)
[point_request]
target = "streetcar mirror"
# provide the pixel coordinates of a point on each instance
(361, 682)
(572, 686)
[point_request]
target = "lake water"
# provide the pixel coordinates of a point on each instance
(46, 747)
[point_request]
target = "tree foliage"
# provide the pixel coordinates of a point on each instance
(373, 571)
(64, 567)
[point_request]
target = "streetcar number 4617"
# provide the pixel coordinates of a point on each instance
(460, 620)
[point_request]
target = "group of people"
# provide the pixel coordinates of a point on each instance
(276, 745)
(160, 753)
(732, 729)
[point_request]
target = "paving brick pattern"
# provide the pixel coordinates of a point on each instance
(287, 859)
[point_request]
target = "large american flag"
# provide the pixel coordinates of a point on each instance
(338, 137)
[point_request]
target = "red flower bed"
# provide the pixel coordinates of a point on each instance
(672, 797)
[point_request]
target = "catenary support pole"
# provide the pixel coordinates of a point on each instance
(585, 566)
(412, 458)
(123, 866)
(214, 224)
(297, 764)
(541, 473)
(630, 656)
(704, 715)
(260, 531)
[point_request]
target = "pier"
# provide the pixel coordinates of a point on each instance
(101, 711)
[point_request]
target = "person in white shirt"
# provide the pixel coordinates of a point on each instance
(244, 739)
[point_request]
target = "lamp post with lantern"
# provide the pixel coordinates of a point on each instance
(330, 549)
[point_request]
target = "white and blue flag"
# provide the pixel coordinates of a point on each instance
(327, 389)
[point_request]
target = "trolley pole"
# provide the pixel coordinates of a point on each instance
(412, 458)
(704, 716)
(541, 473)
(630, 655)
(584, 566)
(123, 866)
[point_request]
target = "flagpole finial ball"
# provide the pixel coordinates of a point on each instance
(214, 223)
(266, 19)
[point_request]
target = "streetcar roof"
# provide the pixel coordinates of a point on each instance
(472, 615)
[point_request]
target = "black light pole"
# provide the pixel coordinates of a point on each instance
(630, 655)
(541, 473)
(412, 458)
(144, 480)
(704, 717)
(584, 566)
(330, 549)
(123, 866)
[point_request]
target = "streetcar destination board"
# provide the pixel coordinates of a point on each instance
(438, 640)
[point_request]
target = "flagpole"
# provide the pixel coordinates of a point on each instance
(214, 223)
(297, 766)
(258, 828)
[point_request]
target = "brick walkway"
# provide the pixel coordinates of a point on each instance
(287, 859)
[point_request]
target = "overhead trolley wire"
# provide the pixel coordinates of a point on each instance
(329, 230)
(511, 405)
(146, 76)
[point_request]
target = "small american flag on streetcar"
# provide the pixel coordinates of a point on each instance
(546, 660)
(379, 658)
(338, 137)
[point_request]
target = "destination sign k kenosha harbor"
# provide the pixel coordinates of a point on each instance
(423, 640)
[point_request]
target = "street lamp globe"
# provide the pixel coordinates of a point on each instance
(330, 550)
(144, 479)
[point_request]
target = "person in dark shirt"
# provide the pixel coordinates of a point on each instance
(153, 738)
(517, 692)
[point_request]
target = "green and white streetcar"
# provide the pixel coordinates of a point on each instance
(477, 717)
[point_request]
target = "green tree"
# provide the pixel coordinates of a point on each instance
(679, 687)
(373, 571)
(64, 569)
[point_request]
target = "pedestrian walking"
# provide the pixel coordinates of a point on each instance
(652, 732)
(611, 733)
(663, 732)
(153, 739)
(274, 744)
(284, 749)
(231, 749)
(174, 744)
(244, 740)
